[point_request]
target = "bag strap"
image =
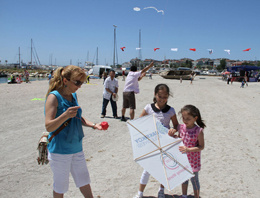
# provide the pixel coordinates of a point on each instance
(59, 129)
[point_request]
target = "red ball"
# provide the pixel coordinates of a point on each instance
(104, 125)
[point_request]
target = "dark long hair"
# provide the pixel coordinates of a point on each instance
(161, 87)
(194, 111)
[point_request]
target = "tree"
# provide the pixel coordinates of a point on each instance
(222, 65)
(188, 64)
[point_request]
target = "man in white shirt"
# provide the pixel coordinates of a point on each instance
(110, 92)
(132, 88)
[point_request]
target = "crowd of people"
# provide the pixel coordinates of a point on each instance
(65, 151)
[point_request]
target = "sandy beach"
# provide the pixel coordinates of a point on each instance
(230, 160)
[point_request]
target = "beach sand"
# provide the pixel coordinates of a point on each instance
(230, 160)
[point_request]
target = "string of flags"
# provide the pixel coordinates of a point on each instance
(191, 49)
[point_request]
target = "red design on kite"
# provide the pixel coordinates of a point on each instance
(193, 49)
(122, 48)
(246, 50)
(156, 49)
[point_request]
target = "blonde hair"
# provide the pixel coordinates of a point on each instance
(70, 72)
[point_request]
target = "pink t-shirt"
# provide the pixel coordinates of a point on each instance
(131, 82)
(190, 139)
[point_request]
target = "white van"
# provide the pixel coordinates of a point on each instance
(99, 69)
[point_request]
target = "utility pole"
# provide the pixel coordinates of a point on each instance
(140, 49)
(97, 57)
(114, 46)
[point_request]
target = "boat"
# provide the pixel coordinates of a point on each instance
(185, 74)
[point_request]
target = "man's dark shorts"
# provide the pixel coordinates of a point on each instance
(129, 100)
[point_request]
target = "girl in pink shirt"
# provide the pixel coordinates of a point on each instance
(193, 140)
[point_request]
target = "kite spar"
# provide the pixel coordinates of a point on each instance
(158, 153)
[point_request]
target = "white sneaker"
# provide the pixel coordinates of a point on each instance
(161, 194)
(137, 196)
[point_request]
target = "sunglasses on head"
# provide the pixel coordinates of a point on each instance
(77, 82)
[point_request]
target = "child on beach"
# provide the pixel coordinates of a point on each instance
(164, 113)
(193, 140)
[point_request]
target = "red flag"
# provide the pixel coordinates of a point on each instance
(193, 49)
(122, 48)
(156, 49)
(246, 50)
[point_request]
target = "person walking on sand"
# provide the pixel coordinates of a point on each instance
(123, 75)
(26, 74)
(131, 88)
(65, 151)
(109, 93)
(104, 76)
(193, 140)
(165, 114)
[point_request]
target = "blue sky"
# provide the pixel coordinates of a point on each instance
(72, 29)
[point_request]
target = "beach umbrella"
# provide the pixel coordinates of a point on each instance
(226, 72)
(158, 153)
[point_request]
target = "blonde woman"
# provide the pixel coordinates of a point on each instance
(65, 151)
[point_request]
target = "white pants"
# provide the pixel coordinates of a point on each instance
(64, 164)
(144, 178)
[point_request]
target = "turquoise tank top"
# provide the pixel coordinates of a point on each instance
(69, 140)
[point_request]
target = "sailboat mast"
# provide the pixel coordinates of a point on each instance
(19, 58)
(31, 52)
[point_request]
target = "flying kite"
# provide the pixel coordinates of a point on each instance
(136, 9)
(193, 49)
(227, 50)
(154, 49)
(210, 51)
(246, 50)
(151, 7)
(122, 48)
(174, 49)
(138, 48)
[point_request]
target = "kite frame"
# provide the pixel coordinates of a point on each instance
(161, 150)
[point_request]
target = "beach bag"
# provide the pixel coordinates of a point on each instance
(43, 142)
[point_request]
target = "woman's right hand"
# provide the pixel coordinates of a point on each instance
(71, 112)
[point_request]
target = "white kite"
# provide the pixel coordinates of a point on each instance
(136, 9)
(151, 7)
(174, 49)
(227, 50)
(158, 153)
(138, 48)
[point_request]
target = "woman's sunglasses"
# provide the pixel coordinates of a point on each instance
(77, 82)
